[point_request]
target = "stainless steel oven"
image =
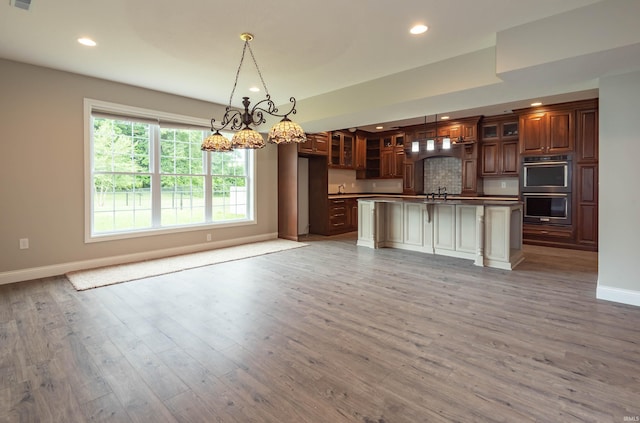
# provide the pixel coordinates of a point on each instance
(547, 208)
(546, 174)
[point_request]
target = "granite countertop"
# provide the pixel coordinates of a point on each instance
(423, 197)
(467, 201)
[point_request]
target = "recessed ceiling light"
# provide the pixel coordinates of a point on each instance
(444, 117)
(87, 42)
(418, 29)
(537, 103)
(379, 127)
(254, 89)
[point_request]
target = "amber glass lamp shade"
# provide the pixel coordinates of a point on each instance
(247, 138)
(216, 142)
(285, 132)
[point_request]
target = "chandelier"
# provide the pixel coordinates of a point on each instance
(239, 120)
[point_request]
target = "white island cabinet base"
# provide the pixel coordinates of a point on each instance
(487, 232)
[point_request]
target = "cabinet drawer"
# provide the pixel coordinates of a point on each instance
(338, 220)
(547, 232)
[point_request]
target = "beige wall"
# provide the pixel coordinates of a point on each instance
(619, 202)
(41, 172)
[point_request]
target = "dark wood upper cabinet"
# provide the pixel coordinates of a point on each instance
(499, 147)
(342, 150)
(361, 152)
(490, 158)
(412, 178)
(561, 132)
(587, 135)
(471, 184)
(384, 155)
(510, 158)
(469, 132)
(316, 144)
(392, 156)
(548, 131)
(533, 133)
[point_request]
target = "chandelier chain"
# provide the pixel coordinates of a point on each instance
(264, 84)
(235, 83)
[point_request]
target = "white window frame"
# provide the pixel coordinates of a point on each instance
(91, 105)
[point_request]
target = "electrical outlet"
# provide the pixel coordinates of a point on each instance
(24, 243)
(375, 185)
(208, 237)
(503, 185)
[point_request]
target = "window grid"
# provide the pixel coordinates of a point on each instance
(135, 189)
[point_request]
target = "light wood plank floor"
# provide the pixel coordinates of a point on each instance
(325, 333)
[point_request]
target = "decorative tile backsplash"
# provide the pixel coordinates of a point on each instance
(443, 172)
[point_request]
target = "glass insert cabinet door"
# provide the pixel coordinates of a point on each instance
(342, 150)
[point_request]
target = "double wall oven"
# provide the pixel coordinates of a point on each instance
(545, 186)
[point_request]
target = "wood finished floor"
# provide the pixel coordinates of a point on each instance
(325, 333)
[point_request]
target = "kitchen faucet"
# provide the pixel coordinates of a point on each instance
(442, 192)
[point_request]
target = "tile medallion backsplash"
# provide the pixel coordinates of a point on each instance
(443, 172)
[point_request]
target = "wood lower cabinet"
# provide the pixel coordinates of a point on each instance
(554, 236)
(586, 209)
(338, 216)
(352, 214)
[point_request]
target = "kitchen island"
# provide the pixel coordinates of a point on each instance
(487, 232)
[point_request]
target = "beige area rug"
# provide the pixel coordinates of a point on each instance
(109, 275)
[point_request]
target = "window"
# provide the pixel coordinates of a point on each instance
(147, 174)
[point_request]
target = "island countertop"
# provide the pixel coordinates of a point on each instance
(422, 197)
(471, 201)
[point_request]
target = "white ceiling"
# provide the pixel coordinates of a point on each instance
(304, 48)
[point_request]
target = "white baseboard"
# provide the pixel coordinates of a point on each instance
(62, 268)
(618, 295)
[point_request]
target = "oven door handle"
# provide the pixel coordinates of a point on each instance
(529, 164)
